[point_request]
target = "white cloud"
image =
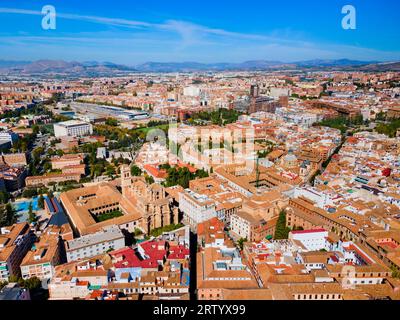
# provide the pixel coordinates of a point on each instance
(186, 40)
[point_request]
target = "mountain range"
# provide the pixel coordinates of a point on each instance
(95, 68)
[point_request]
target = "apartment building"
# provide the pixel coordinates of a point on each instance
(77, 280)
(12, 178)
(8, 137)
(72, 128)
(220, 268)
(15, 241)
(196, 207)
(67, 160)
(110, 238)
(251, 226)
(52, 178)
(14, 159)
(311, 239)
(41, 260)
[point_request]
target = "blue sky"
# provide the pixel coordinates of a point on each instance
(133, 32)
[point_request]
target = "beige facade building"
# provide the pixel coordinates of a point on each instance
(15, 241)
(42, 259)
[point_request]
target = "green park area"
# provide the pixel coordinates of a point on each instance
(107, 216)
(159, 231)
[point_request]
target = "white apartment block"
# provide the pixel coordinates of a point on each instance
(196, 208)
(240, 226)
(8, 136)
(72, 128)
(312, 240)
(191, 91)
(94, 244)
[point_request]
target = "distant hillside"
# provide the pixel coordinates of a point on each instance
(253, 65)
(382, 67)
(42, 67)
(332, 63)
(95, 68)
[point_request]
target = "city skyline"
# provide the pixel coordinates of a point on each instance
(133, 33)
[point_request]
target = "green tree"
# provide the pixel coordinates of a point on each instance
(110, 170)
(4, 197)
(111, 122)
(32, 283)
(50, 194)
(241, 242)
(59, 152)
(182, 176)
(281, 230)
(29, 193)
(395, 273)
(3, 284)
(8, 215)
(136, 171)
(47, 166)
(381, 116)
(389, 129)
(41, 202)
(32, 216)
(149, 179)
(11, 214)
(138, 232)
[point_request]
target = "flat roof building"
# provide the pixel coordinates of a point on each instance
(73, 128)
(110, 238)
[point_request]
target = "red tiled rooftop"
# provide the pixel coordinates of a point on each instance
(213, 222)
(183, 165)
(178, 252)
(390, 244)
(155, 172)
(308, 231)
(132, 260)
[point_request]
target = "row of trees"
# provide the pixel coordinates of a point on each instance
(37, 109)
(281, 230)
(176, 175)
(120, 137)
(31, 284)
(97, 167)
(8, 215)
(341, 123)
(181, 176)
(219, 117)
(389, 129)
(159, 231)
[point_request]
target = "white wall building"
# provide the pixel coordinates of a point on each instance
(191, 91)
(312, 240)
(196, 208)
(94, 244)
(277, 92)
(73, 128)
(321, 199)
(241, 224)
(8, 136)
